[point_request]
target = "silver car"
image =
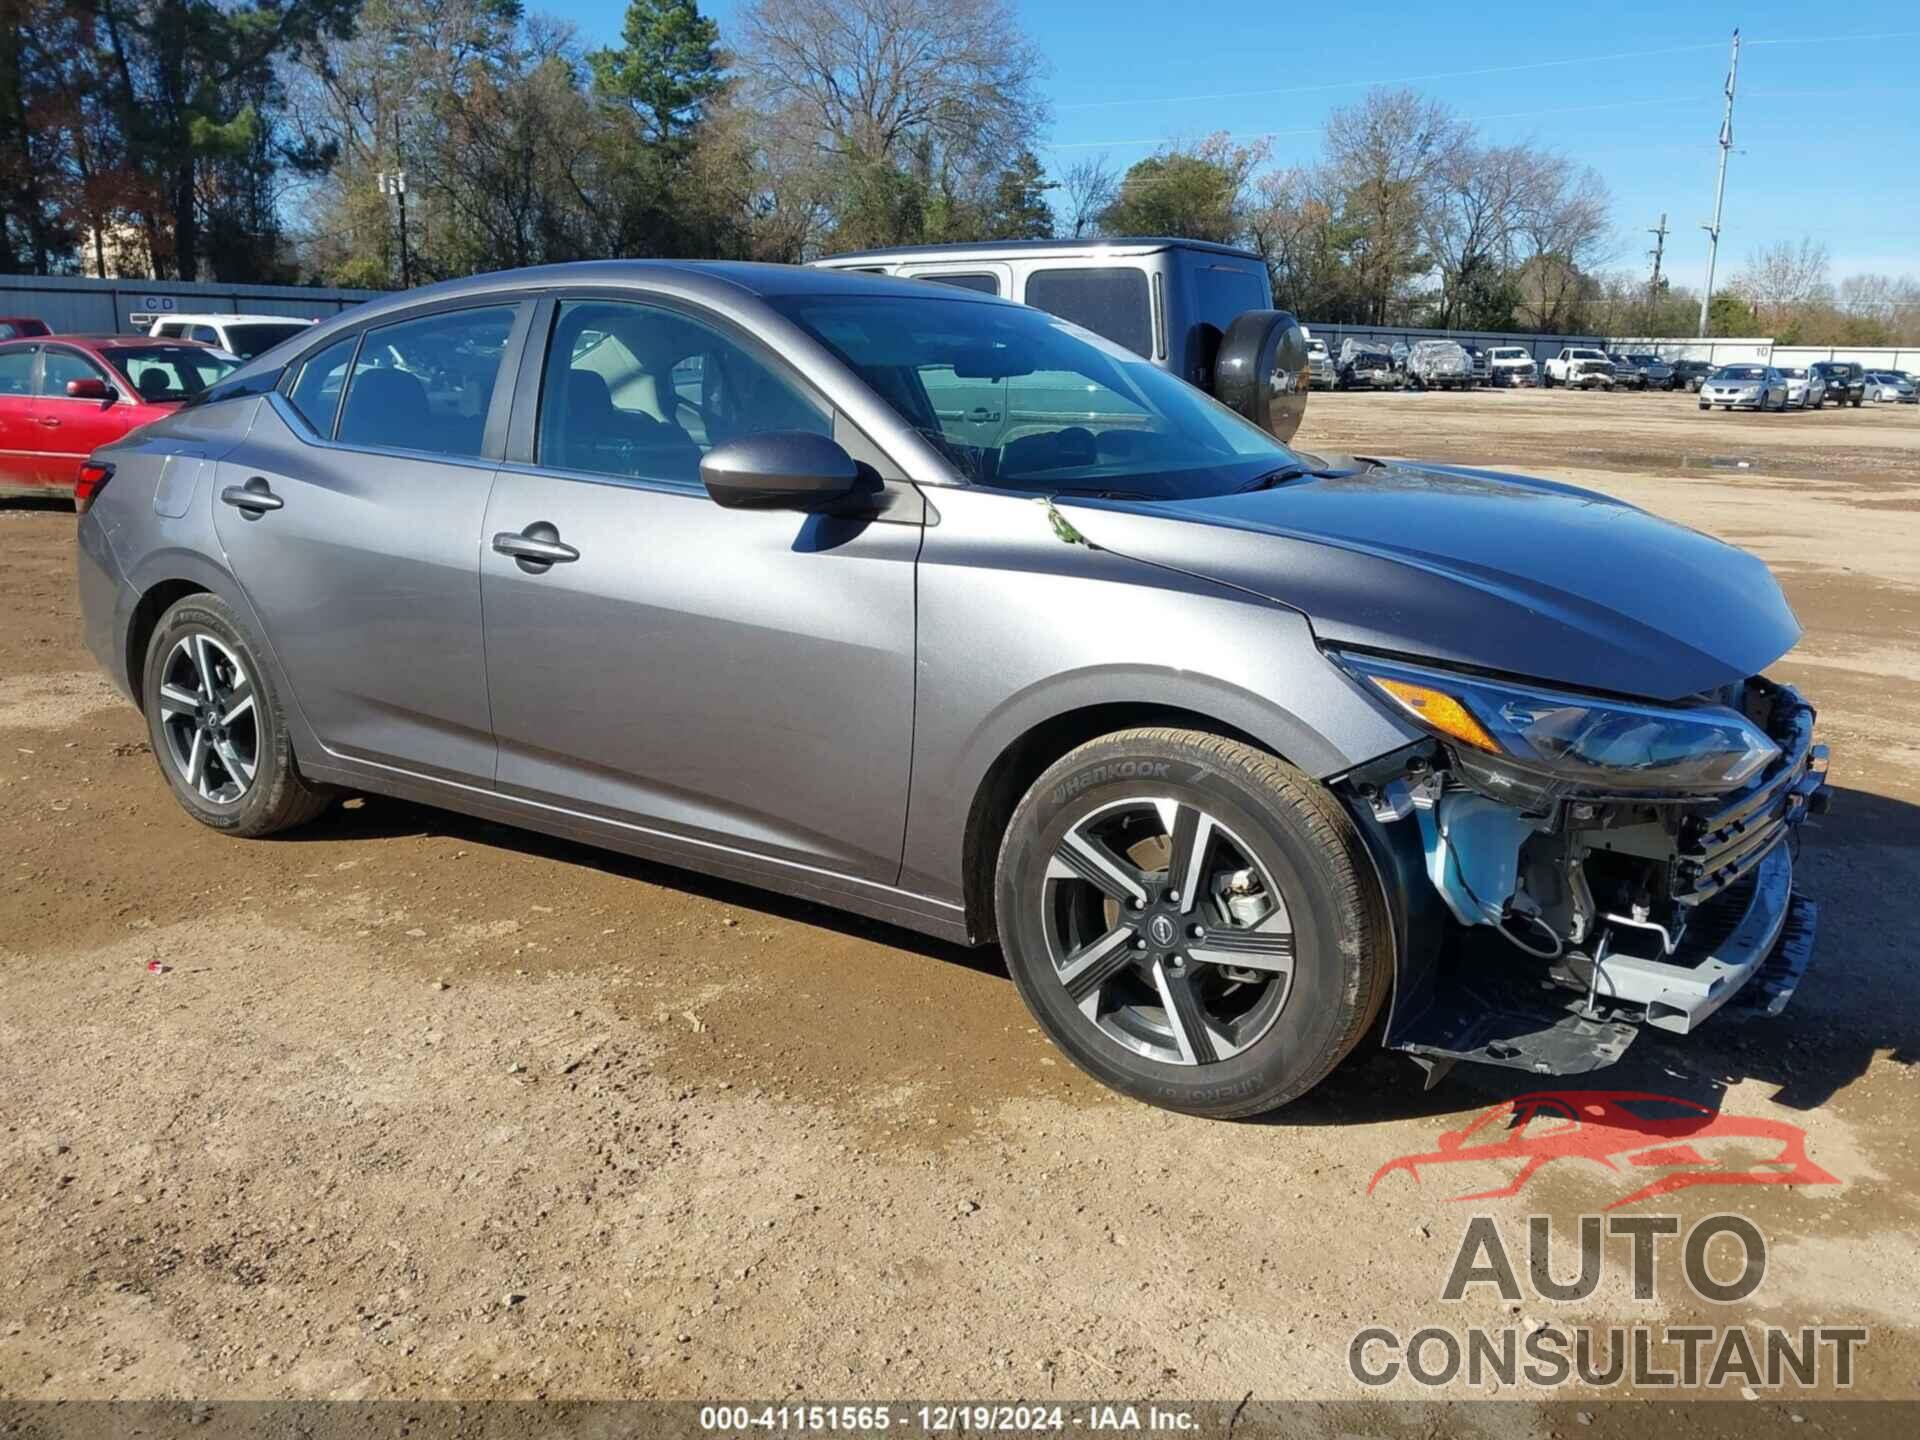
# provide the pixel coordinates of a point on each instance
(929, 606)
(1806, 390)
(1745, 387)
(1889, 387)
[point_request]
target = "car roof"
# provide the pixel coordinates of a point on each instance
(988, 249)
(720, 283)
(108, 342)
(215, 317)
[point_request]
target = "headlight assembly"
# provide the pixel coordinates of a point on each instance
(1611, 745)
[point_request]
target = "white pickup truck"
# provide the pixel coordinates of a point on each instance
(1511, 365)
(1582, 367)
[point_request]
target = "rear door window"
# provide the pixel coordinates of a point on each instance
(1109, 300)
(426, 384)
(316, 393)
(1227, 291)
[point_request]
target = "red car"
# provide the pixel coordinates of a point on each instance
(62, 396)
(1624, 1131)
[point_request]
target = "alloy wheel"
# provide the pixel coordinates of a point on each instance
(209, 718)
(1167, 931)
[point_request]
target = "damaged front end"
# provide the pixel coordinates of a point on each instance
(1568, 869)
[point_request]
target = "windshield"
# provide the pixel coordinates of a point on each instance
(1794, 374)
(1511, 352)
(163, 373)
(1018, 399)
(1742, 372)
(249, 340)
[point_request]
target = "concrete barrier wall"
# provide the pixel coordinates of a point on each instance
(1767, 352)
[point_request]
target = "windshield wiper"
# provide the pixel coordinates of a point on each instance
(1286, 473)
(1095, 493)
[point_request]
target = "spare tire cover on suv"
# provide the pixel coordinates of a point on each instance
(1261, 370)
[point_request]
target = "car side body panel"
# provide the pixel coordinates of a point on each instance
(1020, 625)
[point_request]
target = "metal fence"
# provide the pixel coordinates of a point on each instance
(73, 304)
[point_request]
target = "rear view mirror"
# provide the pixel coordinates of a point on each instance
(989, 361)
(779, 470)
(91, 388)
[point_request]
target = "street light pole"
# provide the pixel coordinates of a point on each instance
(1720, 185)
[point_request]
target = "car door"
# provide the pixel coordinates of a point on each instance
(19, 437)
(351, 516)
(68, 429)
(740, 680)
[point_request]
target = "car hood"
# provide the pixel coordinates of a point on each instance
(1476, 568)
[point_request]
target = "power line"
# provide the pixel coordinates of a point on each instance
(1481, 70)
(1850, 91)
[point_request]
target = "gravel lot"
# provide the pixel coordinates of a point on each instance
(421, 1106)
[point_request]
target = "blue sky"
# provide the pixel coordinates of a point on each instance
(1827, 128)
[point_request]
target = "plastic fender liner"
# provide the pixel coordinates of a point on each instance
(1473, 854)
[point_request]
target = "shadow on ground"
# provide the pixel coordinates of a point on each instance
(1861, 999)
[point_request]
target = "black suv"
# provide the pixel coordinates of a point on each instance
(1846, 381)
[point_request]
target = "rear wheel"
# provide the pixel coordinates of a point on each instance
(1193, 921)
(217, 727)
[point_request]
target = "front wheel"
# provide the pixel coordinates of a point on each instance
(1193, 921)
(217, 726)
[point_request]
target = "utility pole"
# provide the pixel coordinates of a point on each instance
(394, 183)
(1720, 185)
(1659, 233)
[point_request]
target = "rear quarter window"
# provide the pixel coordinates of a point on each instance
(1109, 300)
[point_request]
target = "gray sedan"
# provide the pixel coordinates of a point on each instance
(931, 607)
(1745, 387)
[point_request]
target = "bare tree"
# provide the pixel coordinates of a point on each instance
(1384, 155)
(913, 104)
(1472, 218)
(1565, 219)
(1088, 188)
(1784, 281)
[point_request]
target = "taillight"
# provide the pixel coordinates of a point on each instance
(93, 479)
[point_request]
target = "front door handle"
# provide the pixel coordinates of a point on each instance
(535, 548)
(982, 414)
(50, 422)
(253, 497)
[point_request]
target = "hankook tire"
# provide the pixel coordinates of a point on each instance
(217, 726)
(1195, 922)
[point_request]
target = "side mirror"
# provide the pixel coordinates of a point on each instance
(91, 388)
(779, 470)
(1261, 370)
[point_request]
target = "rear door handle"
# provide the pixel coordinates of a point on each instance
(253, 496)
(535, 547)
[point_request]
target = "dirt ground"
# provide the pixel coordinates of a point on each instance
(421, 1106)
